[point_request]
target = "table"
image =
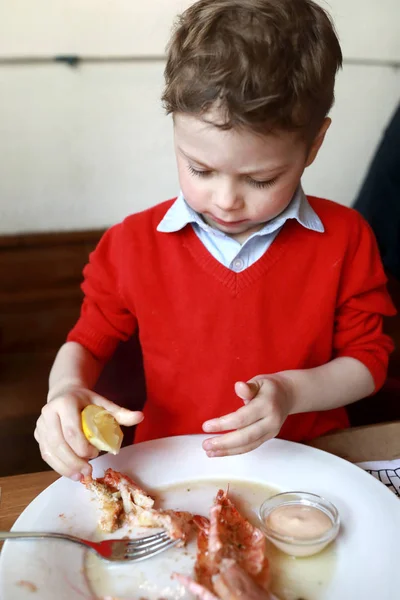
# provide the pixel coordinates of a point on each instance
(373, 442)
(18, 491)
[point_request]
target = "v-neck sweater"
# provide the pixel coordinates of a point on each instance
(202, 327)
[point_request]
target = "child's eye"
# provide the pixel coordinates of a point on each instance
(261, 184)
(198, 173)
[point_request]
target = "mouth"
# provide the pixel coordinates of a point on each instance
(228, 223)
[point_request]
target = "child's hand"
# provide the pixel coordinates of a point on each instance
(267, 402)
(59, 432)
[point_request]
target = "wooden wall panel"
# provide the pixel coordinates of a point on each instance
(40, 291)
(40, 300)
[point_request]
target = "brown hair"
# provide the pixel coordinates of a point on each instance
(268, 64)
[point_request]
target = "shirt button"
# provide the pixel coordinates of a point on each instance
(238, 265)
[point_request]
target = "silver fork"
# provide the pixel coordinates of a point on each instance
(114, 550)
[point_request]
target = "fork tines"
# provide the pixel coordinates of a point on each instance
(141, 548)
(149, 539)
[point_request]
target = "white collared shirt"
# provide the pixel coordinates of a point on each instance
(225, 249)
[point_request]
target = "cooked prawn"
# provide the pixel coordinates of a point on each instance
(122, 501)
(231, 583)
(229, 535)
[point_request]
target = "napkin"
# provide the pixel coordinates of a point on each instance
(386, 471)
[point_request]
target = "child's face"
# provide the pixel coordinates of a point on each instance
(235, 179)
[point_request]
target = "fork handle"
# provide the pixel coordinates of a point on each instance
(29, 535)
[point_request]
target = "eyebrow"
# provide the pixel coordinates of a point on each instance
(253, 172)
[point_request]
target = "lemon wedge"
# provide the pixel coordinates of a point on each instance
(101, 429)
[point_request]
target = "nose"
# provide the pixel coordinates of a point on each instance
(228, 198)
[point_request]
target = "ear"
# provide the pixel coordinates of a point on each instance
(317, 142)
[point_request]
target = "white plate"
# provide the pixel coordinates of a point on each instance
(367, 551)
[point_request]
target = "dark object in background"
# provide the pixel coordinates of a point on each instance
(379, 197)
(379, 203)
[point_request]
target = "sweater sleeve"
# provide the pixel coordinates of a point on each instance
(105, 319)
(363, 301)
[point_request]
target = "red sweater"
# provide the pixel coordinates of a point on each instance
(310, 298)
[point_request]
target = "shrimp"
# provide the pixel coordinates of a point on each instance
(232, 583)
(198, 591)
(229, 535)
(111, 506)
(131, 493)
(177, 524)
(122, 501)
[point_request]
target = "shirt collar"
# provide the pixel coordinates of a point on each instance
(181, 214)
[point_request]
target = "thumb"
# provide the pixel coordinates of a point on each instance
(123, 416)
(247, 391)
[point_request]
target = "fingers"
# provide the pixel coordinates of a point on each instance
(258, 392)
(244, 439)
(122, 415)
(247, 391)
(244, 416)
(55, 450)
(240, 441)
(71, 426)
(251, 425)
(62, 442)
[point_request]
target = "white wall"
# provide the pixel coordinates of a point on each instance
(368, 28)
(81, 148)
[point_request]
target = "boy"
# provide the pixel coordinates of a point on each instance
(259, 310)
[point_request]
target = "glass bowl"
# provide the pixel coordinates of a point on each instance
(285, 537)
